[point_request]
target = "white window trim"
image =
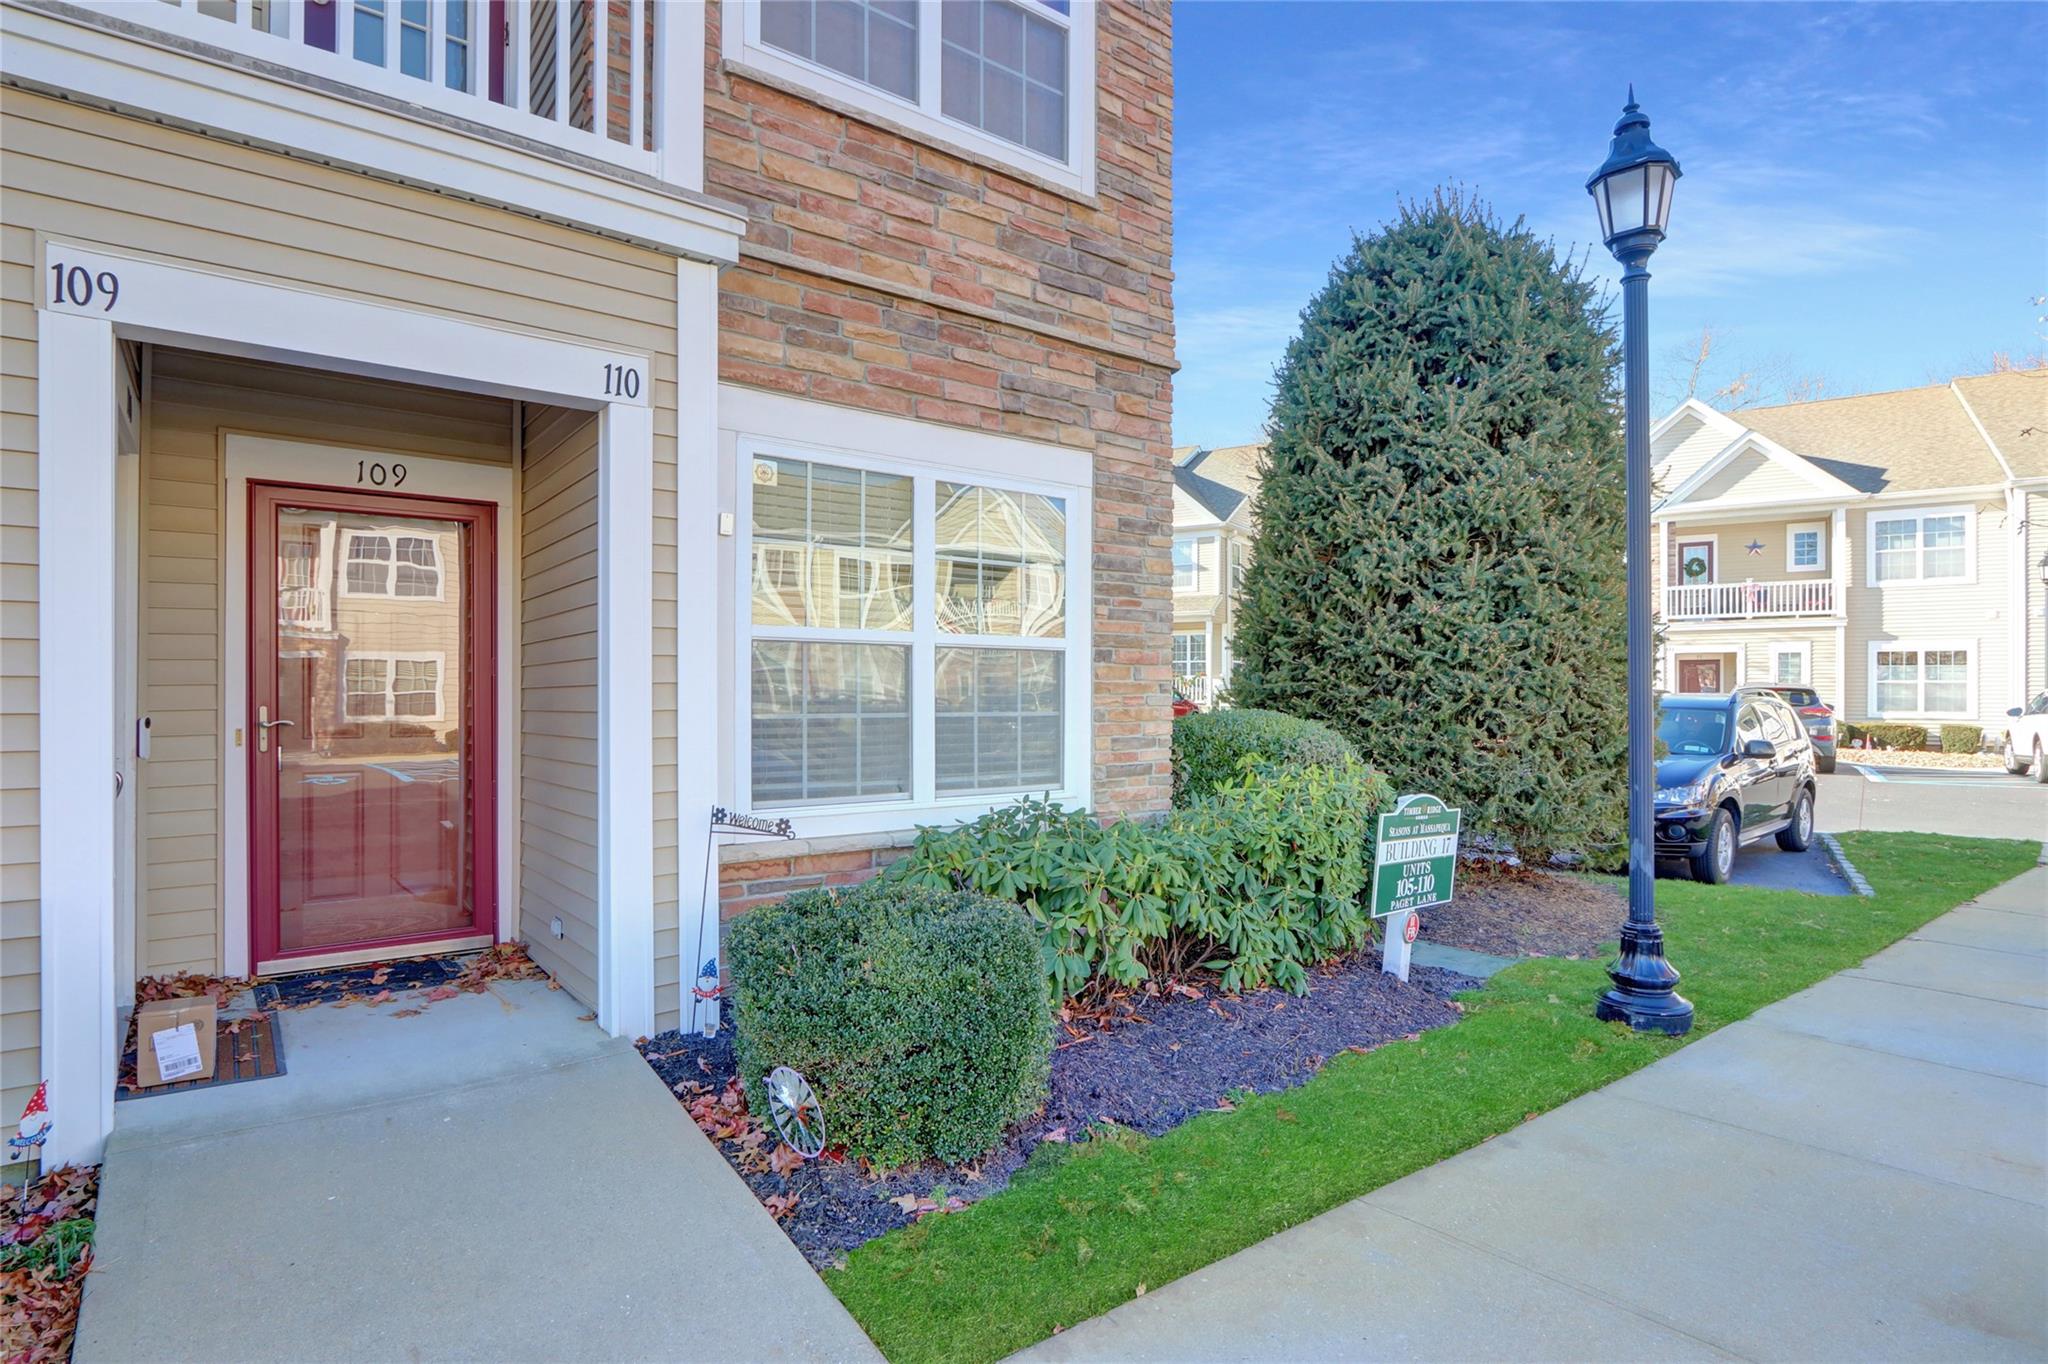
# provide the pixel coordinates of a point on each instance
(741, 43)
(1201, 638)
(1194, 544)
(391, 659)
(392, 533)
(1919, 517)
(1820, 531)
(924, 805)
(1805, 652)
(1922, 646)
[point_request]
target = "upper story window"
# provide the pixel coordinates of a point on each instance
(873, 41)
(1011, 80)
(1931, 545)
(1806, 548)
(1187, 566)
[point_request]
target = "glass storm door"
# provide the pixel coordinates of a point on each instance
(370, 721)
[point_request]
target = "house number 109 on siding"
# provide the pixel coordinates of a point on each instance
(378, 474)
(81, 288)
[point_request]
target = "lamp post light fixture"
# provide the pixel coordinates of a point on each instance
(1632, 190)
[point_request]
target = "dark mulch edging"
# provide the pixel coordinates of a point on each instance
(1521, 913)
(1164, 1061)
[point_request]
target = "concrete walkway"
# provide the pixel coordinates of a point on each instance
(495, 1179)
(1857, 1172)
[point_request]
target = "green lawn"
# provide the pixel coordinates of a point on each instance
(1084, 1228)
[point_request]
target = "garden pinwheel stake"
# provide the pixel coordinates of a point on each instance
(798, 1116)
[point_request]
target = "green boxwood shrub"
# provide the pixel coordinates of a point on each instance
(1887, 735)
(1256, 881)
(1962, 738)
(1211, 748)
(920, 1016)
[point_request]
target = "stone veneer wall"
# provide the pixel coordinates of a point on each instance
(885, 273)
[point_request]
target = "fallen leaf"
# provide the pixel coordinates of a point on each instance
(1057, 1134)
(780, 1206)
(590, 1017)
(441, 992)
(1140, 1293)
(786, 1161)
(408, 1013)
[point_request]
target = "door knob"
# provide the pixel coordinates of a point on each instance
(264, 724)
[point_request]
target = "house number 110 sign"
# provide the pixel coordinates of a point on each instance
(1414, 866)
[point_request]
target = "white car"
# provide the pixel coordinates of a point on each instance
(2026, 739)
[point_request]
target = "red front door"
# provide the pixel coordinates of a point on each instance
(370, 732)
(1697, 675)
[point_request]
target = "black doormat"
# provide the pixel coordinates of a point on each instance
(332, 987)
(245, 1047)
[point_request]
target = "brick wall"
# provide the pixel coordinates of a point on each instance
(885, 273)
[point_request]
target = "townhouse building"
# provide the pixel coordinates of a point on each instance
(449, 449)
(1889, 550)
(1214, 491)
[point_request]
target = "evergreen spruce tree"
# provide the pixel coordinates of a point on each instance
(1438, 566)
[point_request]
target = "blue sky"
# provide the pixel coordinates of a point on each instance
(1865, 198)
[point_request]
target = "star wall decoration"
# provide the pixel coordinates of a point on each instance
(1755, 548)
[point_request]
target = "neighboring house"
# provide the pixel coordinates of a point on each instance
(1213, 492)
(1890, 550)
(448, 449)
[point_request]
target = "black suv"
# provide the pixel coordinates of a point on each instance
(1730, 770)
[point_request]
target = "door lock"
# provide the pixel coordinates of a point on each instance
(264, 724)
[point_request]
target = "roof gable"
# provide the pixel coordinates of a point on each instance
(1753, 469)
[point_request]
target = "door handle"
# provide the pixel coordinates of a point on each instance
(264, 724)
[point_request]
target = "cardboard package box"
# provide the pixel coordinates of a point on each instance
(174, 1041)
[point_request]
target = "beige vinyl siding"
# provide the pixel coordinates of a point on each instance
(1684, 449)
(192, 401)
(1733, 562)
(1760, 652)
(20, 948)
(1751, 476)
(558, 846)
(80, 174)
(2036, 633)
(1973, 613)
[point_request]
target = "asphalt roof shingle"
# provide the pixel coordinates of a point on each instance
(1914, 438)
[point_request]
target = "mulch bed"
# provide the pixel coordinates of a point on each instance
(45, 1254)
(1149, 1061)
(1509, 912)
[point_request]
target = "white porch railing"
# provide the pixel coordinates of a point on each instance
(1746, 600)
(533, 78)
(1194, 687)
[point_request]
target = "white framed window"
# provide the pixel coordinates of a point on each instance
(1008, 80)
(1190, 653)
(1792, 664)
(1187, 564)
(1922, 545)
(1923, 680)
(393, 686)
(1806, 547)
(912, 637)
(392, 563)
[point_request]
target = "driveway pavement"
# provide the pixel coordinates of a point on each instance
(494, 1179)
(1859, 1171)
(1984, 803)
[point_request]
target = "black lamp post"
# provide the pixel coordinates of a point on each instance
(1632, 190)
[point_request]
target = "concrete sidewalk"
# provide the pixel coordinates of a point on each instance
(1857, 1172)
(494, 1179)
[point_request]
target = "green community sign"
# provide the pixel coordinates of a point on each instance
(1415, 862)
(1414, 866)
